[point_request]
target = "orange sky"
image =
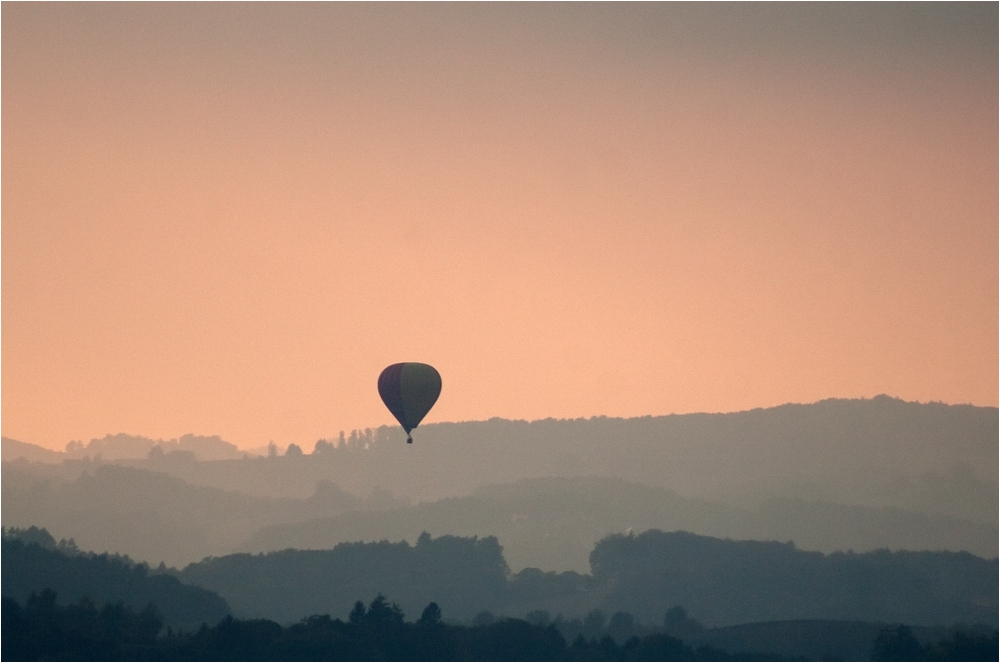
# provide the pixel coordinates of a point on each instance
(227, 219)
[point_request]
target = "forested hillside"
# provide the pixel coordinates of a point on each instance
(43, 630)
(462, 575)
(729, 582)
(123, 446)
(32, 562)
(617, 612)
(553, 523)
(152, 516)
(880, 452)
(719, 581)
(549, 523)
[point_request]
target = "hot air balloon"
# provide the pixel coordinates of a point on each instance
(409, 390)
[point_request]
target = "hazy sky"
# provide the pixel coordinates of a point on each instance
(228, 218)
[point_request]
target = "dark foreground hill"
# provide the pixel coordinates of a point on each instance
(719, 581)
(33, 562)
(43, 630)
(47, 626)
(823, 640)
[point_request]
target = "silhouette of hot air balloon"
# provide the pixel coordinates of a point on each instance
(409, 390)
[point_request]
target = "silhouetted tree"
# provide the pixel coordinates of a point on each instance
(322, 448)
(431, 616)
(35, 535)
(380, 612)
(676, 623)
(44, 630)
(358, 612)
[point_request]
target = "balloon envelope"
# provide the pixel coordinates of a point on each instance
(409, 390)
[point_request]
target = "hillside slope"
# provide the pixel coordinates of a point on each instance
(882, 452)
(554, 523)
(719, 581)
(34, 562)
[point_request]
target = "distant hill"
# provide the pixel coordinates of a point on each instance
(462, 575)
(14, 449)
(548, 523)
(731, 582)
(720, 581)
(725, 582)
(32, 562)
(123, 447)
(882, 452)
(152, 516)
(554, 523)
(834, 475)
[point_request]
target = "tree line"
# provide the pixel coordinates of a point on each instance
(118, 608)
(41, 629)
(720, 581)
